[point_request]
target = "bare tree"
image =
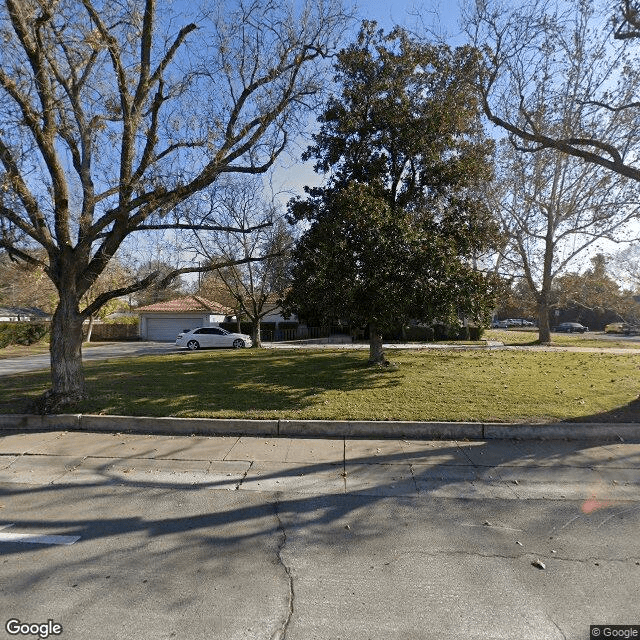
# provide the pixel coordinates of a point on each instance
(26, 285)
(584, 52)
(114, 114)
(260, 251)
(625, 265)
(553, 209)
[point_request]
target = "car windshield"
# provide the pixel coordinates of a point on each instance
(224, 332)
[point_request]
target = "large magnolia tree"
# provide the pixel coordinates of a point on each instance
(114, 116)
(394, 232)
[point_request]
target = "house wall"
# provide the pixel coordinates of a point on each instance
(276, 316)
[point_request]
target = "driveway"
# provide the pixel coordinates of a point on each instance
(23, 364)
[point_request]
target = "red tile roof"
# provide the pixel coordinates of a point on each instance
(186, 304)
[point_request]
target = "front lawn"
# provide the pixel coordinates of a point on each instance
(338, 385)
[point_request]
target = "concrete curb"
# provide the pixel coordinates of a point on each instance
(619, 432)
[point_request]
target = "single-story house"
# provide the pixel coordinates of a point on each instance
(21, 314)
(274, 313)
(163, 321)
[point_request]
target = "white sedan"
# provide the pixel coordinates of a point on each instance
(212, 337)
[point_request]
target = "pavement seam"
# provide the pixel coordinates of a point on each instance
(281, 634)
(468, 457)
(226, 455)
(413, 477)
(244, 475)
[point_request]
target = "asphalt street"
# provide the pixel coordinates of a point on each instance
(22, 364)
(138, 537)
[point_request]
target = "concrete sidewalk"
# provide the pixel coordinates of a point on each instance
(504, 469)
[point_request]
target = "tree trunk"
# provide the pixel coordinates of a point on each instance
(67, 375)
(90, 328)
(255, 334)
(376, 352)
(544, 330)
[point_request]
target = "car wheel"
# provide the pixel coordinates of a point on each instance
(238, 343)
(193, 345)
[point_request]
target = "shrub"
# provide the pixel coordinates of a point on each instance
(443, 332)
(122, 320)
(419, 334)
(476, 333)
(24, 333)
(245, 327)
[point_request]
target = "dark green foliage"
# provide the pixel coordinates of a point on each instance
(446, 331)
(394, 233)
(24, 333)
(476, 333)
(419, 334)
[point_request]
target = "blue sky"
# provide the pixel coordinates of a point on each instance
(405, 12)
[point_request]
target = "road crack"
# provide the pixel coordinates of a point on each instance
(555, 624)
(244, 476)
(281, 633)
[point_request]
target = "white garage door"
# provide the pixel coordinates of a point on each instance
(167, 329)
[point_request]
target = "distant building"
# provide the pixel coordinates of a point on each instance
(23, 314)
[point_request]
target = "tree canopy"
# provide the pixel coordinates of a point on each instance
(394, 232)
(538, 53)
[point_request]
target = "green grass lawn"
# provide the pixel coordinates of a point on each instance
(19, 350)
(338, 385)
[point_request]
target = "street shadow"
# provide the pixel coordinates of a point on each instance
(629, 413)
(470, 491)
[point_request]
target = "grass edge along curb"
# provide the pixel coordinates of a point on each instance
(618, 432)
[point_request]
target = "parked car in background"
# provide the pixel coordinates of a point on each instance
(618, 327)
(212, 337)
(518, 322)
(570, 327)
(511, 322)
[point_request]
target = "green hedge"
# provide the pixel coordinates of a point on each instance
(25, 333)
(476, 333)
(247, 327)
(419, 334)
